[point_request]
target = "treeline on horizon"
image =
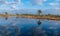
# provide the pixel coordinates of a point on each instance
(38, 14)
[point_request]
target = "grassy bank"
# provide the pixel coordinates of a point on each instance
(34, 16)
(50, 17)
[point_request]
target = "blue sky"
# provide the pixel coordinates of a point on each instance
(8, 5)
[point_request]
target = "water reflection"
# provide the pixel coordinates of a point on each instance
(29, 27)
(39, 22)
(6, 18)
(3, 31)
(6, 15)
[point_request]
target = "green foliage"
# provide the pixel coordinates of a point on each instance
(17, 14)
(39, 12)
(6, 13)
(28, 14)
(49, 14)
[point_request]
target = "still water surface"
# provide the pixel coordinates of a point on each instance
(29, 27)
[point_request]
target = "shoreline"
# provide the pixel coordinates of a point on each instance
(48, 17)
(41, 17)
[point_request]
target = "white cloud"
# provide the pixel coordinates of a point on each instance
(53, 4)
(13, 6)
(13, 2)
(56, 8)
(39, 2)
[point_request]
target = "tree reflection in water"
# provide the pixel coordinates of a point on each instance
(39, 22)
(6, 18)
(6, 15)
